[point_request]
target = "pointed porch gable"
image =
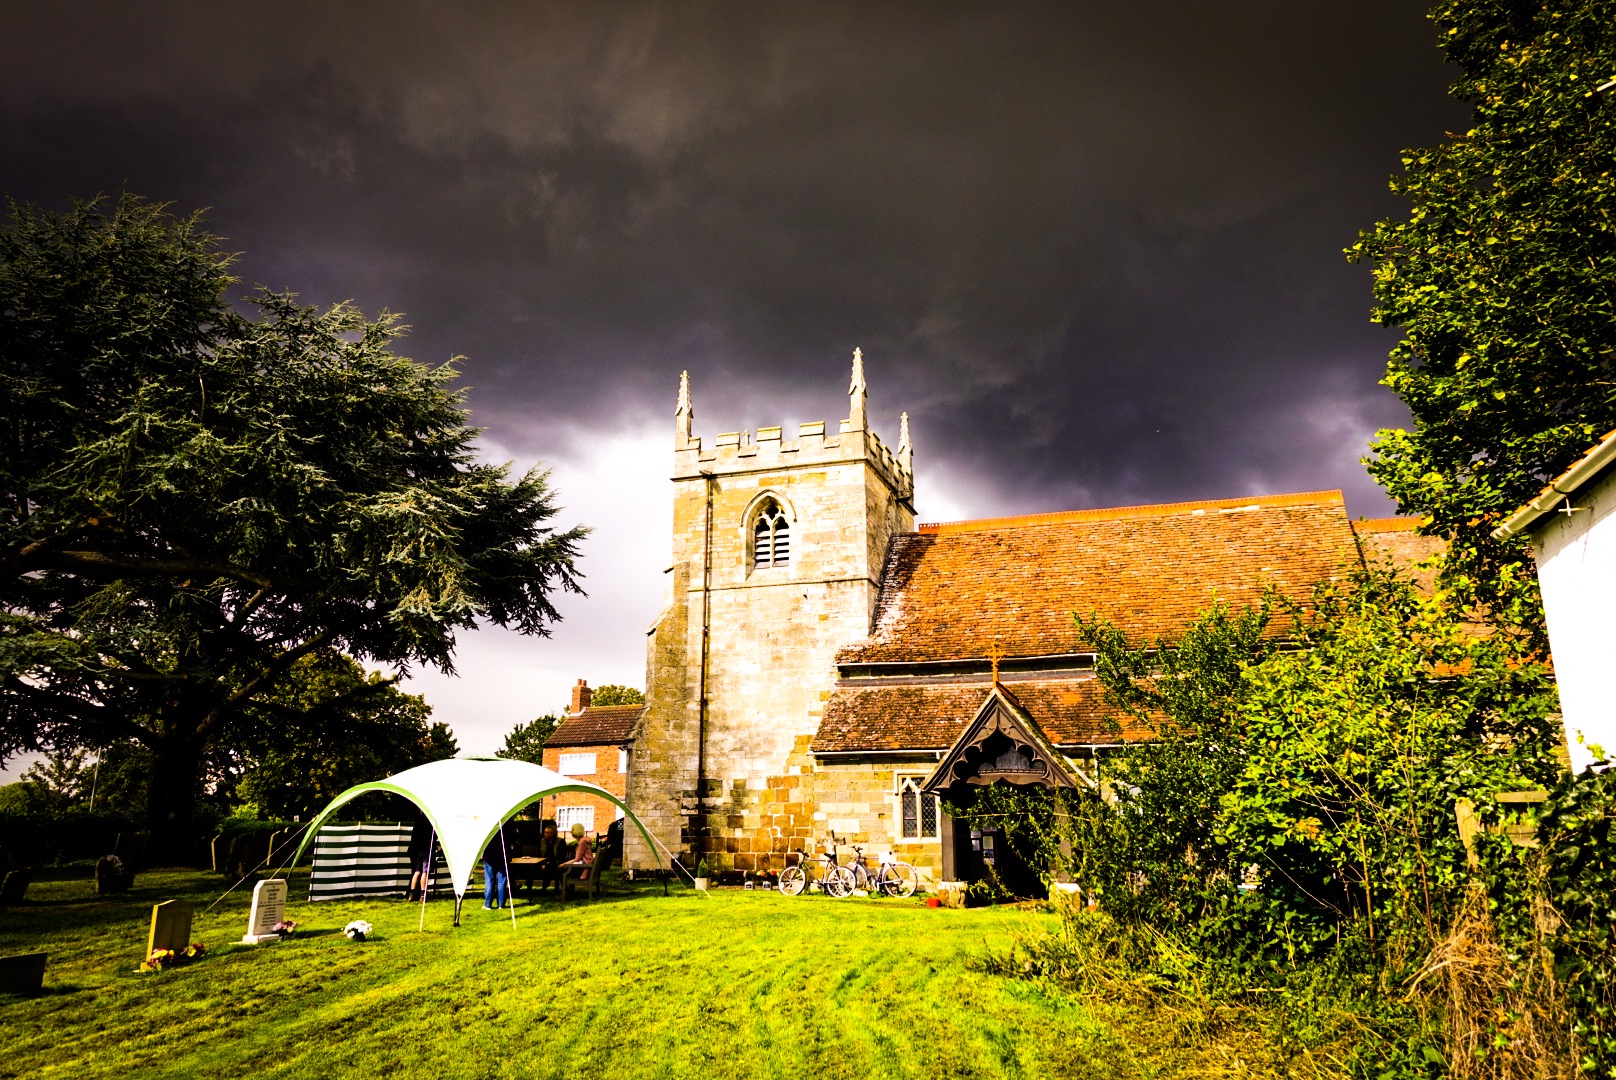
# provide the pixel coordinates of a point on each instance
(1003, 742)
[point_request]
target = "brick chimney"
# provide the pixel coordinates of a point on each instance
(580, 697)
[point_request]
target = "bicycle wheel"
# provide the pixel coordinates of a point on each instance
(792, 880)
(900, 880)
(838, 881)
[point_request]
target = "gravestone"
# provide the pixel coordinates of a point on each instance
(268, 909)
(130, 847)
(170, 926)
(246, 856)
(276, 839)
(22, 974)
(14, 886)
(220, 849)
(112, 875)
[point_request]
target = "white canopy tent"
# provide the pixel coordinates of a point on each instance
(467, 800)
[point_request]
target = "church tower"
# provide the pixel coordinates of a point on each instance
(778, 547)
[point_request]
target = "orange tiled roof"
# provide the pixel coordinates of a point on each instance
(1070, 712)
(604, 725)
(1396, 539)
(954, 591)
(1385, 525)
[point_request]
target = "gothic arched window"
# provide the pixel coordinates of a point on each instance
(771, 537)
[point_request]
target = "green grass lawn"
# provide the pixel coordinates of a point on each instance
(734, 984)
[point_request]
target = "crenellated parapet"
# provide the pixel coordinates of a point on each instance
(767, 449)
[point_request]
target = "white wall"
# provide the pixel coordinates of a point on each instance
(1576, 565)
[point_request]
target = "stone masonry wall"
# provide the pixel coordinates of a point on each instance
(772, 634)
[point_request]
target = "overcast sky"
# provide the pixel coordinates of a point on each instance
(1093, 249)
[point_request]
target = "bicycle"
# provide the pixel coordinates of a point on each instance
(894, 878)
(834, 880)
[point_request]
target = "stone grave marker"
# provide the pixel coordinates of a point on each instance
(14, 885)
(112, 875)
(276, 839)
(220, 850)
(170, 926)
(131, 848)
(22, 974)
(268, 909)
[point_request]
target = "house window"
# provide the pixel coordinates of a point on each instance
(917, 811)
(567, 816)
(771, 537)
(622, 761)
(576, 765)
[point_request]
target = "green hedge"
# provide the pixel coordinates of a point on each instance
(43, 840)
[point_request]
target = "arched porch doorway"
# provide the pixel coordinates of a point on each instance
(1001, 747)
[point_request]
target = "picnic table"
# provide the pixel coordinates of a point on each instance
(526, 867)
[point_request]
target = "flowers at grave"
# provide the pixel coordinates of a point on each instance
(163, 959)
(357, 930)
(286, 928)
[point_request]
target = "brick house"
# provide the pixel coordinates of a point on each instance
(593, 743)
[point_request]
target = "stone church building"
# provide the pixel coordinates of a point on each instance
(824, 669)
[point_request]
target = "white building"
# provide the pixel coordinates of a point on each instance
(1572, 527)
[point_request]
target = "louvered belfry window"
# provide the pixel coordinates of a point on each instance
(771, 537)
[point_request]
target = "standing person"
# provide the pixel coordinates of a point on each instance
(496, 880)
(420, 853)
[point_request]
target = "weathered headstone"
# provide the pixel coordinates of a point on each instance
(130, 847)
(246, 856)
(112, 876)
(170, 926)
(268, 910)
(14, 886)
(220, 850)
(276, 840)
(22, 974)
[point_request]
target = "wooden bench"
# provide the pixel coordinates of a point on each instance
(587, 878)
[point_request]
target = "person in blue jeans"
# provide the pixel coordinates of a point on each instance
(496, 882)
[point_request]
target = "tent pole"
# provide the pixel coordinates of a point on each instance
(426, 878)
(510, 894)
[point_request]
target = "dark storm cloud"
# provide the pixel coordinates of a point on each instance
(1093, 249)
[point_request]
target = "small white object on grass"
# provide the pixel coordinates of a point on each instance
(356, 930)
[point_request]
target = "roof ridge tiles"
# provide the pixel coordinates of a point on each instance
(1149, 510)
(1385, 524)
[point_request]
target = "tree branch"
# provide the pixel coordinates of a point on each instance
(96, 562)
(97, 717)
(268, 675)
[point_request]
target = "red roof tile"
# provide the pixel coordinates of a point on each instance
(605, 725)
(954, 591)
(1396, 540)
(931, 717)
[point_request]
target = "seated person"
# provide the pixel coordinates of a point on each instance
(614, 839)
(583, 855)
(551, 851)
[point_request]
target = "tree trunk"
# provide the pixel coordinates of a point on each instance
(176, 781)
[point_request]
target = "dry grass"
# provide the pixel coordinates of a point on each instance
(1138, 980)
(1505, 1018)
